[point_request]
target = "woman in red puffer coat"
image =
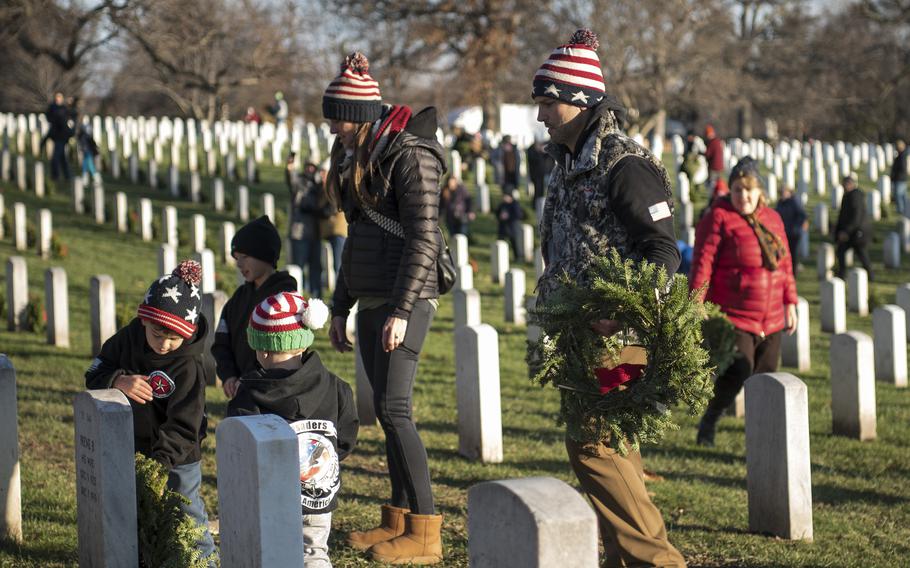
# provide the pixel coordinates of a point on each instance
(741, 253)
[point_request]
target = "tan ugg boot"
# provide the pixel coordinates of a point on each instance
(392, 525)
(421, 542)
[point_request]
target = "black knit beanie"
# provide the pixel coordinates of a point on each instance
(259, 239)
(747, 167)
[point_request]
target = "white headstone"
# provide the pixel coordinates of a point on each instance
(218, 194)
(499, 259)
(45, 231)
(207, 259)
(16, 292)
(874, 206)
(153, 173)
(198, 232)
(837, 195)
(526, 242)
(21, 177)
(834, 309)
(268, 206)
(10, 484)
(145, 219)
(78, 195)
(795, 349)
(903, 300)
(174, 181)
(853, 385)
(804, 251)
(134, 169)
(56, 297)
(892, 250)
(483, 197)
(682, 188)
(772, 188)
(464, 277)
(195, 187)
(477, 393)
(460, 254)
(105, 480)
(20, 227)
(889, 324)
(821, 219)
(884, 189)
(551, 520)
(243, 203)
(102, 310)
(39, 179)
(858, 291)
(259, 493)
(296, 272)
(778, 468)
(169, 234)
(515, 297)
(98, 204)
(227, 235)
(465, 307)
(539, 264)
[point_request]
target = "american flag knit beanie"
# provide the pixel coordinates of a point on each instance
(353, 96)
(174, 300)
(285, 322)
(572, 73)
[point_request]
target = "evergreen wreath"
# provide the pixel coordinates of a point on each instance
(167, 535)
(654, 311)
(718, 338)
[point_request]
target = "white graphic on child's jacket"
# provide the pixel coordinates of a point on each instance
(319, 469)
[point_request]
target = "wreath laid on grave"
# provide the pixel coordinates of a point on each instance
(167, 535)
(621, 390)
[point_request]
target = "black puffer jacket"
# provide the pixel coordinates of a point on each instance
(374, 262)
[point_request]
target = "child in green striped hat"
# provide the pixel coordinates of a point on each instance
(294, 384)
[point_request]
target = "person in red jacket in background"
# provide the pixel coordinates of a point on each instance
(714, 155)
(741, 253)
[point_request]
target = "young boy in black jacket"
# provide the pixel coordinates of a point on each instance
(156, 361)
(319, 406)
(256, 248)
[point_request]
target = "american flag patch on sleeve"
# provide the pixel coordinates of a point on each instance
(659, 211)
(96, 362)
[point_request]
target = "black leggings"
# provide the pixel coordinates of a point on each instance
(754, 355)
(392, 378)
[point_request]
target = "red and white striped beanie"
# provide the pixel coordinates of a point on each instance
(285, 322)
(572, 73)
(353, 96)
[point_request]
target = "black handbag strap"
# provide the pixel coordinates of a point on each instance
(392, 226)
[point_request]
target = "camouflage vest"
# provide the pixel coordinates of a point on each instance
(578, 223)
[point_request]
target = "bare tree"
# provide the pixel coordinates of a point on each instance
(200, 50)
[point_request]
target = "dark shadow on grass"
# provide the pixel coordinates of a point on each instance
(693, 453)
(46, 553)
(731, 482)
(831, 495)
(703, 528)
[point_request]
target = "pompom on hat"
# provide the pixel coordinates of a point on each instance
(572, 73)
(285, 322)
(174, 300)
(353, 96)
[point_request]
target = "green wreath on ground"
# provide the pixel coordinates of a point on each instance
(609, 393)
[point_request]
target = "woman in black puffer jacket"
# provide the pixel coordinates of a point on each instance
(385, 170)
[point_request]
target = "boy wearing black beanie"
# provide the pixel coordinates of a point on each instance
(256, 247)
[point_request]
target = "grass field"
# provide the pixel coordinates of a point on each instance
(861, 491)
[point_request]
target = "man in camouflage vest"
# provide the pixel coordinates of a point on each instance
(606, 192)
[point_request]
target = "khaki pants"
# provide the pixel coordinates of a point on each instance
(631, 527)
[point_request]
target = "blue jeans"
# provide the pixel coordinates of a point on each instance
(900, 196)
(88, 164)
(306, 254)
(187, 479)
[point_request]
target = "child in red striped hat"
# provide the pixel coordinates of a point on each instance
(157, 362)
(294, 384)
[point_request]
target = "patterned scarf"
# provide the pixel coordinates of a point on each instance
(772, 247)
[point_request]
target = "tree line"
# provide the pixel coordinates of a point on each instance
(752, 67)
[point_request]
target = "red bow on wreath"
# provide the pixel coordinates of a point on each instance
(631, 364)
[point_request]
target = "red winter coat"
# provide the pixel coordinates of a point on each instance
(714, 155)
(728, 257)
